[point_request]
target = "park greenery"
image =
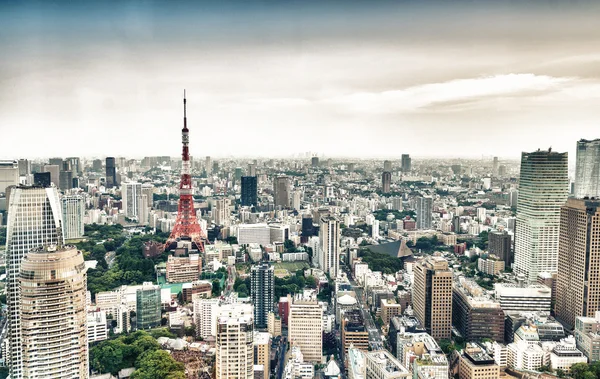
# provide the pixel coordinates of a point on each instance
(129, 266)
(381, 261)
(140, 350)
(382, 214)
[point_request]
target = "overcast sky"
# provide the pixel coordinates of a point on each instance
(273, 78)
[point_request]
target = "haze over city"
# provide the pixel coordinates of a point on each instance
(362, 79)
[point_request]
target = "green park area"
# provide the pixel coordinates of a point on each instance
(285, 269)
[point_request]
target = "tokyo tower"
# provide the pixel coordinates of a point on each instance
(186, 226)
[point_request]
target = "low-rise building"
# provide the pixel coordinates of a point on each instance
(381, 364)
(515, 297)
(474, 314)
(587, 336)
(492, 265)
(354, 331)
(422, 355)
(96, 326)
(184, 269)
(475, 362)
(389, 308)
(565, 354)
(525, 356)
(196, 289)
(296, 368)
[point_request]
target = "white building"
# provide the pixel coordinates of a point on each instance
(514, 297)
(565, 354)
(130, 196)
(526, 356)
(329, 245)
(381, 364)
(96, 326)
(205, 317)
(253, 233)
(73, 210)
(304, 329)
(296, 368)
(235, 342)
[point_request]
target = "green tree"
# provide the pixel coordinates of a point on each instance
(158, 364)
(107, 357)
(311, 282)
(242, 290)
(578, 370)
(216, 288)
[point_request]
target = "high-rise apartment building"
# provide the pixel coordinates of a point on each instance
(432, 296)
(251, 169)
(33, 221)
(305, 328)
(9, 174)
(424, 208)
(262, 291)
(406, 163)
(131, 193)
(543, 189)
(386, 181)
(235, 342)
(148, 305)
(205, 316)
(111, 172)
(262, 351)
(53, 313)
(208, 166)
(249, 191)
(329, 245)
(73, 209)
(221, 211)
(587, 171)
(281, 191)
(578, 279)
(500, 245)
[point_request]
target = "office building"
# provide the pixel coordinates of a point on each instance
(130, 195)
(73, 210)
(389, 309)
(254, 233)
(305, 328)
(53, 314)
(587, 336)
(353, 330)
(281, 191)
(314, 162)
(221, 211)
(274, 324)
(148, 190)
(587, 171)
(263, 287)
(54, 171)
(9, 174)
(329, 245)
(33, 221)
(251, 169)
(387, 166)
(24, 167)
(543, 189)
(474, 314)
(111, 173)
(406, 163)
(235, 342)
(523, 298)
(296, 367)
(75, 164)
(424, 208)
(42, 179)
(249, 191)
(578, 279)
(65, 176)
(475, 363)
(490, 265)
(183, 269)
(432, 296)
(386, 181)
(96, 326)
(421, 355)
(500, 245)
(148, 305)
(381, 364)
(262, 350)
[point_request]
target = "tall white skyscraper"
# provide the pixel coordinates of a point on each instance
(329, 245)
(543, 189)
(235, 342)
(587, 171)
(424, 209)
(130, 195)
(73, 210)
(53, 313)
(34, 219)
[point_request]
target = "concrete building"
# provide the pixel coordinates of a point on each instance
(296, 367)
(281, 191)
(424, 208)
(491, 265)
(148, 305)
(54, 171)
(253, 233)
(587, 336)
(543, 189)
(33, 221)
(474, 314)
(53, 315)
(329, 245)
(184, 269)
(578, 280)
(73, 210)
(131, 193)
(235, 342)
(523, 355)
(262, 292)
(205, 316)
(406, 163)
(475, 363)
(500, 245)
(386, 181)
(249, 191)
(389, 309)
(587, 171)
(523, 298)
(421, 355)
(380, 364)
(303, 329)
(96, 326)
(274, 324)
(432, 296)
(9, 174)
(354, 332)
(221, 211)
(565, 354)
(262, 350)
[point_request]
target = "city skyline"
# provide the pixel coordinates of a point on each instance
(441, 80)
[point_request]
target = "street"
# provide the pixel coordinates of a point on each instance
(375, 341)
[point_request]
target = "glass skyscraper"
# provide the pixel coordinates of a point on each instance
(543, 189)
(587, 172)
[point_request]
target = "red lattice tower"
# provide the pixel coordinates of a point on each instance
(187, 226)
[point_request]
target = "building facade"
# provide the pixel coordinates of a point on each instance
(305, 328)
(587, 171)
(262, 292)
(543, 189)
(184, 269)
(249, 191)
(386, 181)
(500, 245)
(148, 306)
(235, 342)
(53, 314)
(329, 245)
(73, 210)
(424, 208)
(281, 191)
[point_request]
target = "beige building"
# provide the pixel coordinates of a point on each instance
(274, 324)
(475, 363)
(578, 279)
(305, 328)
(389, 308)
(235, 342)
(53, 313)
(432, 296)
(381, 364)
(184, 269)
(354, 332)
(262, 349)
(492, 265)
